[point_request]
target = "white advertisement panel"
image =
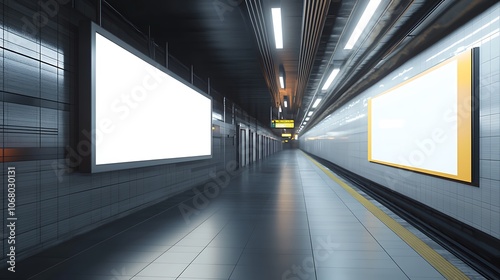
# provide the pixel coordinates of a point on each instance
(143, 114)
(424, 124)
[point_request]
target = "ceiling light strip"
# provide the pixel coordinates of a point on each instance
(282, 82)
(362, 23)
(330, 79)
(316, 103)
(278, 29)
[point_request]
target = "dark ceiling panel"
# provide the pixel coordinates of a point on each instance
(213, 36)
(231, 42)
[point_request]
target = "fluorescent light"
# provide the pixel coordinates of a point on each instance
(330, 79)
(286, 104)
(363, 21)
(308, 118)
(316, 103)
(278, 32)
(310, 113)
(279, 108)
(282, 82)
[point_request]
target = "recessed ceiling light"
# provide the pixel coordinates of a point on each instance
(282, 82)
(278, 31)
(330, 79)
(316, 103)
(363, 21)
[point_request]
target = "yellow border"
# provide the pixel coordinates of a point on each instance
(464, 116)
(283, 123)
(464, 119)
(443, 266)
(370, 130)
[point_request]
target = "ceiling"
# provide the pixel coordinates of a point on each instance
(232, 43)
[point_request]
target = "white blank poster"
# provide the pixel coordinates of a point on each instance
(142, 113)
(424, 124)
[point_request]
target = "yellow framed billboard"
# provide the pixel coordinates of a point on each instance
(282, 124)
(428, 123)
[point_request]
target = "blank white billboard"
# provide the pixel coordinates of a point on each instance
(424, 124)
(141, 114)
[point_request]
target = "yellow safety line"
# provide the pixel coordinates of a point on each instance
(444, 267)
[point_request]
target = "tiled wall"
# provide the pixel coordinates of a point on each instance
(345, 134)
(38, 116)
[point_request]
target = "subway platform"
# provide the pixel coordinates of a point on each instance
(285, 217)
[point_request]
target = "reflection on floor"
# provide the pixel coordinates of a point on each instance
(281, 218)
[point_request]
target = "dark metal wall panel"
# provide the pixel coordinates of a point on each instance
(178, 68)
(1, 66)
(21, 74)
(38, 117)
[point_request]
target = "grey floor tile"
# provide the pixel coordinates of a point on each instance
(153, 278)
(194, 242)
(341, 262)
(267, 273)
(215, 255)
(328, 273)
(351, 255)
(342, 236)
(171, 257)
(163, 269)
(136, 248)
(262, 226)
(229, 242)
(416, 267)
(94, 277)
(349, 246)
(401, 252)
(71, 270)
(208, 271)
(183, 278)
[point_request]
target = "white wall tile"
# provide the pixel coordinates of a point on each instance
(472, 205)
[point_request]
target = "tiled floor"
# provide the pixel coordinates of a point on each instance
(281, 218)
